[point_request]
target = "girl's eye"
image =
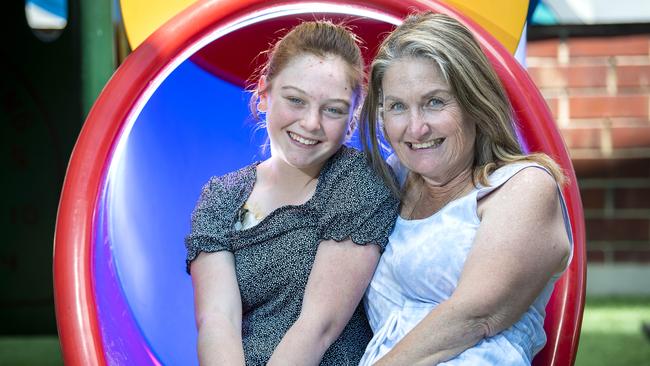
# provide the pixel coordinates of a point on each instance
(335, 111)
(295, 101)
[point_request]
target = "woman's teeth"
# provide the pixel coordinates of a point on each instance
(302, 140)
(425, 145)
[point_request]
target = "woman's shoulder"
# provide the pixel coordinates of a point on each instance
(522, 182)
(526, 170)
(532, 176)
(529, 203)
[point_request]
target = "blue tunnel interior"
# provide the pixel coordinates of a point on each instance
(194, 126)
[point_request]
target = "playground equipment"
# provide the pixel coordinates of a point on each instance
(173, 115)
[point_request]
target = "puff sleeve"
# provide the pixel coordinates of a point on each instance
(209, 222)
(357, 204)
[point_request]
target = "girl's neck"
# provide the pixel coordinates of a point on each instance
(277, 173)
(278, 184)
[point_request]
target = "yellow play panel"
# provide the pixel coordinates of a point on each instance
(143, 17)
(504, 19)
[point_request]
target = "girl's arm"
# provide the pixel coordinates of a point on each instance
(338, 279)
(218, 309)
(520, 244)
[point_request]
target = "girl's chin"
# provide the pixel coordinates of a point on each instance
(306, 164)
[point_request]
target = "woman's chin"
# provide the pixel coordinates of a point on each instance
(424, 167)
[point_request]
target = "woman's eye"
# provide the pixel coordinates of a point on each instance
(435, 103)
(396, 107)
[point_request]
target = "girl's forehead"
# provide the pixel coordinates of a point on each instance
(330, 70)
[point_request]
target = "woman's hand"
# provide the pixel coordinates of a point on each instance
(521, 242)
(336, 284)
(218, 309)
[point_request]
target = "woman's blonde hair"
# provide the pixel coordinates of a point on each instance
(473, 82)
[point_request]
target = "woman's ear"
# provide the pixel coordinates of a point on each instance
(263, 103)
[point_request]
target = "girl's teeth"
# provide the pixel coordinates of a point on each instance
(301, 139)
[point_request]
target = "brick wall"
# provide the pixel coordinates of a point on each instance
(598, 89)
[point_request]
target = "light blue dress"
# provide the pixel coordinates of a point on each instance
(420, 269)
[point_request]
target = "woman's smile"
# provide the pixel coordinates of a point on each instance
(431, 144)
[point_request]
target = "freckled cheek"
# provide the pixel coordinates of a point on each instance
(284, 117)
(336, 129)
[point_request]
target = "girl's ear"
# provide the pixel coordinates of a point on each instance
(263, 103)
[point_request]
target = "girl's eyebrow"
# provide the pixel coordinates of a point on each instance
(330, 100)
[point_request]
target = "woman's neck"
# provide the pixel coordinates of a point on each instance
(425, 197)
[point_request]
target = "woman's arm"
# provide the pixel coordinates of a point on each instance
(217, 307)
(520, 244)
(337, 281)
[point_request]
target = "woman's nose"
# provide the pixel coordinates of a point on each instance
(418, 126)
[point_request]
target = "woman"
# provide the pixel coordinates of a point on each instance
(282, 251)
(482, 235)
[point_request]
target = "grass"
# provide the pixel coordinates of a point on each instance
(611, 333)
(30, 351)
(611, 336)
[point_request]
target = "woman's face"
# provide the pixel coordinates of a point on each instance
(424, 122)
(308, 107)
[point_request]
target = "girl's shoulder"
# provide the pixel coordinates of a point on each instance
(353, 201)
(348, 180)
(348, 171)
(227, 188)
(346, 158)
(237, 177)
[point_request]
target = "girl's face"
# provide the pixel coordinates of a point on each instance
(308, 107)
(424, 122)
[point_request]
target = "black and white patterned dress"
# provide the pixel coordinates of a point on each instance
(273, 259)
